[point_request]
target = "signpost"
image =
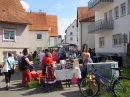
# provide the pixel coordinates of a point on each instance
(124, 40)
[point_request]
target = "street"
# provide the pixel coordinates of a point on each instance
(17, 90)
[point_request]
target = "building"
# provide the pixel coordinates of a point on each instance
(14, 30)
(59, 39)
(85, 18)
(71, 33)
(38, 31)
(53, 30)
(112, 20)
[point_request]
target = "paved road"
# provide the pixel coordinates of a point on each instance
(18, 91)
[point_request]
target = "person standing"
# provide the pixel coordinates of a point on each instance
(19, 56)
(40, 56)
(35, 61)
(10, 60)
(48, 72)
(26, 75)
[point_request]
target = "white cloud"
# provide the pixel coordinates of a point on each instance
(25, 5)
(59, 6)
(63, 24)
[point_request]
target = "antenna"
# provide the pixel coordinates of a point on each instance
(40, 10)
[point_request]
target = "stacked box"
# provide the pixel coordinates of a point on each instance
(104, 68)
(69, 64)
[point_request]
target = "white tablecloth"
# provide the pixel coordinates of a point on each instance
(67, 74)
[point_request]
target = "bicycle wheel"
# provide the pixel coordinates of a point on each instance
(121, 87)
(89, 88)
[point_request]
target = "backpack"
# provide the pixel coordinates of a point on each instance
(21, 63)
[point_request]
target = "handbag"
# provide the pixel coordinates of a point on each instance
(12, 69)
(5, 68)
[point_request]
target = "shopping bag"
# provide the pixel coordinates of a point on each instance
(5, 68)
(74, 79)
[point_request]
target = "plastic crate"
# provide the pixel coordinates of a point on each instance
(32, 84)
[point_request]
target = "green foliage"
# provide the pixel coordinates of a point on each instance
(126, 73)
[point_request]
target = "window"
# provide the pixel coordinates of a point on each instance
(101, 42)
(71, 33)
(116, 12)
(5, 54)
(71, 38)
(123, 9)
(39, 36)
(117, 39)
(9, 35)
(128, 6)
(110, 15)
(73, 26)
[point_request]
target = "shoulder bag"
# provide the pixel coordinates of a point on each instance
(12, 69)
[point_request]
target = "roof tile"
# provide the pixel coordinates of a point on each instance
(12, 11)
(39, 21)
(83, 15)
(53, 25)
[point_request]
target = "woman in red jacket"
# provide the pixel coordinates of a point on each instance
(48, 72)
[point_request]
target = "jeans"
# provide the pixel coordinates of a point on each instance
(83, 72)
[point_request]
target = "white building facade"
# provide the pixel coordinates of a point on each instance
(84, 37)
(112, 20)
(71, 34)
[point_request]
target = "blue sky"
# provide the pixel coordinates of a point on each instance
(65, 10)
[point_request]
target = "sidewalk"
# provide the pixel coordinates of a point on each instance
(17, 90)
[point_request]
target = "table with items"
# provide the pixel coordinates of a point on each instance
(70, 69)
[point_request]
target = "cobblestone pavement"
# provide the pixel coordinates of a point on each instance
(17, 90)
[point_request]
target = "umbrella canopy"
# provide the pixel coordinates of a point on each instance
(72, 45)
(54, 47)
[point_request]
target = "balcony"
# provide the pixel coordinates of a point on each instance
(96, 5)
(101, 26)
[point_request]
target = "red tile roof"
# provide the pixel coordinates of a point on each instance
(83, 15)
(38, 20)
(12, 11)
(53, 25)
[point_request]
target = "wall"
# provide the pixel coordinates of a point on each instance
(59, 40)
(121, 26)
(74, 31)
(87, 38)
(21, 42)
(84, 37)
(34, 43)
(21, 36)
(53, 41)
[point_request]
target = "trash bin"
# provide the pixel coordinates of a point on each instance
(96, 59)
(113, 57)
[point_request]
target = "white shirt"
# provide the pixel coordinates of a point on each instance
(41, 55)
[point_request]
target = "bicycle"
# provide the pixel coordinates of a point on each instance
(89, 86)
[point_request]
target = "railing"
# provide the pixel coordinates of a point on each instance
(93, 3)
(101, 25)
